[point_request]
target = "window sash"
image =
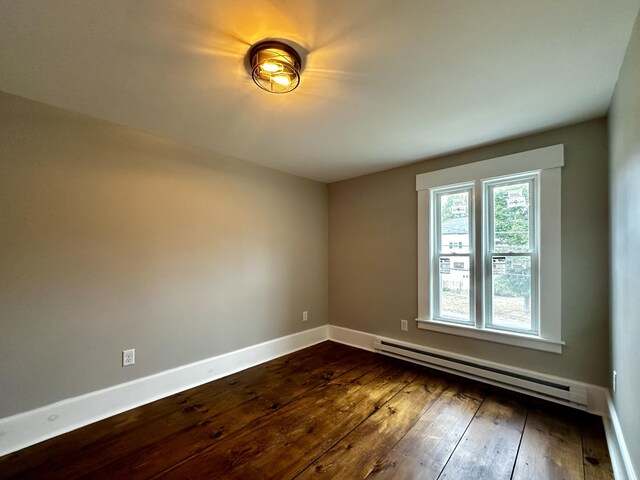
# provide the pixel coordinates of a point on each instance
(438, 194)
(437, 253)
(490, 251)
(438, 281)
(489, 307)
(489, 187)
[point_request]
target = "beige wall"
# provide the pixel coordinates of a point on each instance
(373, 255)
(624, 130)
(111, 238)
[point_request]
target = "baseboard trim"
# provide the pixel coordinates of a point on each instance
(620, 458)
(353, 338)
(25, 429)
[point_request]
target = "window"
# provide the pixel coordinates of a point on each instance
(489, 249)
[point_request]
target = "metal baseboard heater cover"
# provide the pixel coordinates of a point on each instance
(519, 380)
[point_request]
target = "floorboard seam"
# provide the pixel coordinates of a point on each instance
(463, 434)
(416, 421)
(584, 467)
(524, 426)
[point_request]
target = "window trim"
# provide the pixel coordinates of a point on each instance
(547, 162)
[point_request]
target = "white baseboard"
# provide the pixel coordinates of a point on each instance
(353, 338)
(24, 429)
(620, 458)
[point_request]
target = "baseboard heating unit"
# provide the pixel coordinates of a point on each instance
(524, 381)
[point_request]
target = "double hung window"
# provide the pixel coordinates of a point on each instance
(489, 249)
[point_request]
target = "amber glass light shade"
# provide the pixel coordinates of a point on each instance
(275, 66)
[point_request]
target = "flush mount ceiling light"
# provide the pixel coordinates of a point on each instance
(275, 66)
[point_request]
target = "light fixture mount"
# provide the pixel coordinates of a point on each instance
(275, 66)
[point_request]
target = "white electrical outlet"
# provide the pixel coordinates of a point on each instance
(404, 325)
(305, 316)
(615, 381)
(128, 357)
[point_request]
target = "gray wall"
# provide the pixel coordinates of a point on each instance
(624, 131)
(373, 255)
(111, 238)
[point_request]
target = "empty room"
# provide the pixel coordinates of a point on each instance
(319, 239)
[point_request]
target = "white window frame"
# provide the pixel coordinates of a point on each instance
(546, 163)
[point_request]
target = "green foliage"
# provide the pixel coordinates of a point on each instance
(516, 283)
(511, 230)
(511, 221)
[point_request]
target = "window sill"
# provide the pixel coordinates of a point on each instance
(508, 338)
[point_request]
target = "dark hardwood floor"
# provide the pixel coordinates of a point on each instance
(327, 412)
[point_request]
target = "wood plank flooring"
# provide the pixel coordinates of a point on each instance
(330, 412)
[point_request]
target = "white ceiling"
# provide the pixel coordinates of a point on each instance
(387, 82)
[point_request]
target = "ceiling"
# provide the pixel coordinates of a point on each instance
(386, 82)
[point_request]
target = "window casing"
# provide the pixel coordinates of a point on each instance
(489, 250)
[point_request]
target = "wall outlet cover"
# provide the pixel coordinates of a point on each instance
(128, 357)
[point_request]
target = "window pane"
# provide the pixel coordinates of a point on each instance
(454, 222)
(511, 218)
(454, 288)
(511, 297)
